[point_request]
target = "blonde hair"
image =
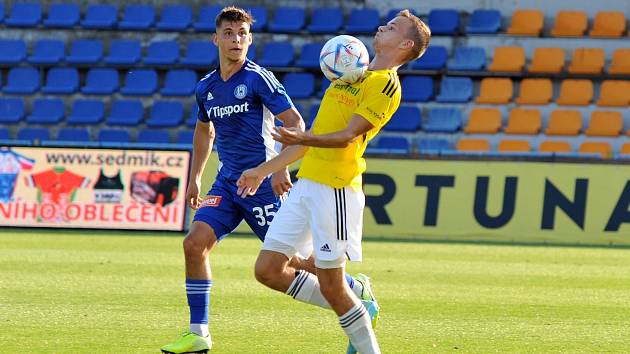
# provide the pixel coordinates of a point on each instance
(419, 33)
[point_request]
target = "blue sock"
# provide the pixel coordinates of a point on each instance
(198, 294)
(356, 286)
(350, 280)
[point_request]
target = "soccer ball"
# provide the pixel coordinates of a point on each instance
(344, 58)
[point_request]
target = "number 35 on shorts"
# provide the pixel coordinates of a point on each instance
(264, 215)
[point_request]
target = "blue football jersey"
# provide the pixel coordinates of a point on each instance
(242, 111)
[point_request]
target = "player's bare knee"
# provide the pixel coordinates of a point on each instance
(198, 242)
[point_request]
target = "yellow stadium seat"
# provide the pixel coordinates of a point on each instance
(564, 122)
(575, 92)
(620, 63)
(514, 146)
(615, 93)
(587, 61)
(473, 145)
(547, 60)
(527, 22)
(570, 24)
(605, 123)
(608, 24)
(508, 59)
(535, 91)
(554, 146)
(524, 122)
(596, 147)
(495, 91)
(625, 149)
(483, 121)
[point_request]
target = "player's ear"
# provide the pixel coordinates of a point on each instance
(215, 38)
(406, 44)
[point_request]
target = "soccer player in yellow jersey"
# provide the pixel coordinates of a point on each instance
(324, 211)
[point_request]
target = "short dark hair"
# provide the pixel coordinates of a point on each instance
(419, 33)
(233, 14)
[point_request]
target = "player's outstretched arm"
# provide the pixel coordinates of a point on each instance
(340, 139)
(202, 146)
(281, 180)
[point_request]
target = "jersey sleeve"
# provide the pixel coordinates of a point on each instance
(378, 97)
(271, 92)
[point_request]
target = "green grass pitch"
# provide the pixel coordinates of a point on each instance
(123, 292)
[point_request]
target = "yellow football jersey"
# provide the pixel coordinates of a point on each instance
(375, 98)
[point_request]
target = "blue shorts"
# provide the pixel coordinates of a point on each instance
(224, 210)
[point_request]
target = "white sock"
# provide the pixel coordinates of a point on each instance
(200, 329)
(358, 327)
(305, 288)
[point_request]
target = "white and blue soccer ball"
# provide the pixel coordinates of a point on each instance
(344, 58)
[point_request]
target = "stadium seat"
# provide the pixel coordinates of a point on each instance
(126, 112)
(11, 110)
(153, 136)
(323, 86)
(326, 20)
(46, 111)
(587, 61)
(101, 81)
(309, 56)
(433, 59)
(206, 19)
(162, 53)
(455, 89)
(124, 52)
(443, 120)
(575, 92)
(483, 121)
(555, 146)
(63, 15)
(484, 21)
(201, 54)
(47, 51)
(547, 60)
(299, 85)
(468, 59)
(527, 23)
(185, 137)
(495, 91)
(276, 54)
(73, 134)
(4, 132)
(165, 114)
(417, 88)
(363, 21)
(140, 82)
(395, 144)
(392, 13)
(523, 122)
(433, 146)
(34, 134)
(251, 52)
(608, 24)
(443, 21)
(508, 59)
(2, 12)
(535, 92)
(62, 81)
(564, 122)
(260, 15)
(179, 83)
(137, 17)
(175, 18)
(100, 16)
(312, 113)
(514, 146)
(620, 63)
(406, 119)
(286, 20)
(85, 52)
(473, 145)
(615, 93)
(86, 112)
(625, 149)
(22, 81)
(605, 123)
(25, 14)
(191, 121)
(13, 51)
(570, 24)
(113, 135)
(602, 148)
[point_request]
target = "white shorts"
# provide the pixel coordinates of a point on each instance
(319, 219)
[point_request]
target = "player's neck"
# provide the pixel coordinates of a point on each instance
(383, 62)
(227, 68)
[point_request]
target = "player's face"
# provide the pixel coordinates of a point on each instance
(233, 40)
(391, 35)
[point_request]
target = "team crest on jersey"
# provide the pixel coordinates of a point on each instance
(240, 91)
(211, 201)
(209, 97)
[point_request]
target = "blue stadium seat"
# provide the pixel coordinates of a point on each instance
(205, 20)
(299, 85)
(166, 114)
(62, 80)
(393, 12)
(11, 110)
(73, 134)
(22, 80)
(323, 86)
(363, 21)
(47, 51)
(2, 12)
(312, 113)
(286, 20)
(468, 59)
(326, 20)
(185, 137)
(33, 134)
(260, 15)
(153, 136)
(126, 112)
(406, 119)
(175, 18)
(137, 17)
(4, 134)
(309, 55)
(113, 135)
(443, 120)
(101, 81)
(13, 51)
(455, 89)
(191, 121)
(46, 111)
(179, 83)
(251, 52)
(100, 16)
(124, 52)
(25, 14)
(276, 54)
(141, 82)
(443, 21)
(393, 144)
(433, 59)
(63, 15)
(201, 54)
(86, 112)
(433, 146)
(484, 21)
(417, 88)
(162, 53)
(85, 52)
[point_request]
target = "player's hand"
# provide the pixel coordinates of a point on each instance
(249, 182)
(281, 182)
(288, 136)
(192, 195)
